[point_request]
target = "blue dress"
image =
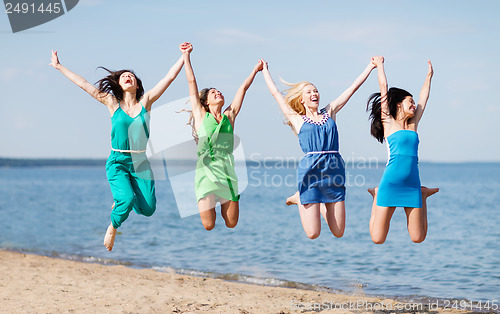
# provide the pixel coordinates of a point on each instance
(400, 184)
(321, 172)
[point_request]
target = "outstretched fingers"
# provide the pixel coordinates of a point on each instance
(54, 60)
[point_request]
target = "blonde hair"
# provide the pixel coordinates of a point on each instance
(294, 95)
(292, 99)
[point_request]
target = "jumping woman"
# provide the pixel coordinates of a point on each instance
(321, 172)
(215, 177)
(394, 118)
(127, 168)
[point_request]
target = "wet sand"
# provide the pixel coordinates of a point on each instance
(33, 283)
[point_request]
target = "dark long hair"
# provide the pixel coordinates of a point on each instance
(110, 84)
(394, 97)
(204, 96)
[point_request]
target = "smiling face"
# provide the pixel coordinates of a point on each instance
(128, 82)
(408, 107)
(310, 96)
(215, 97)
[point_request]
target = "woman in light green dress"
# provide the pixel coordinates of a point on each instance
(215, 179)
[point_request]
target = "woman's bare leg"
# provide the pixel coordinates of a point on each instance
(206, 206)
(380, 219)
(230, 211)
(416, 218)
(311, 219)
(334, 215)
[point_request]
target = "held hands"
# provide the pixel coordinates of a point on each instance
(264, 65)
(259, 66)
(186, 48)
(54, 60)
(377, 61)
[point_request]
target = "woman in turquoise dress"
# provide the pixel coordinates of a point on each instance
(128, 170)
(321, 172)
(215, 177)
(395, 118)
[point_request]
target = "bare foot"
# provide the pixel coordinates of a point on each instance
(294, 199)
(426, 192)
(109, 238)
(373, 191)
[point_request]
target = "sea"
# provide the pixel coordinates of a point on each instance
(63, 211)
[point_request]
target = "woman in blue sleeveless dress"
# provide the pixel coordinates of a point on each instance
(321, 172)
(395, 118)
(128, 170)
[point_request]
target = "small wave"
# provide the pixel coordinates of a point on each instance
(262, 281)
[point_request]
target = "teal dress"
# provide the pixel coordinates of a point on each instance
(127, 168)
(215, 172)
(400, 184)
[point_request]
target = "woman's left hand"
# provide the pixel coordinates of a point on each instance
(431, 70)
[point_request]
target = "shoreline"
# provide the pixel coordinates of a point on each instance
(31, 282)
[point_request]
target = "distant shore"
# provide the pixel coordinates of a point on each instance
(275, 162)
(33, 283)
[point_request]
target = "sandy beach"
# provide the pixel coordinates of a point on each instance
(33, 283)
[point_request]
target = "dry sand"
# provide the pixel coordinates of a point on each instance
(39, 284)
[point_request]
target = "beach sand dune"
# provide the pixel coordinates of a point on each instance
(33, 283)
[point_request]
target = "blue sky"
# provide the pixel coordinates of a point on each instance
(326, 42)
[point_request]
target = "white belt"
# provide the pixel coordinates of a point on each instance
(127, 151)
(324, 152)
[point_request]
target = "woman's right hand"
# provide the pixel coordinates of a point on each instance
(264, 65)
(54, 60)
(186, 48)
(378, 60)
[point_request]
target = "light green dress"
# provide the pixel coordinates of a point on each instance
(215, 166)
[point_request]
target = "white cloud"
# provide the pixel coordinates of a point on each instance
(15, 73)
(376, 31)
(493, 108)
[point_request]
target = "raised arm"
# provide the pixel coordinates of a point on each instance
(152, 95)
(233, 110)
(197, 108)
(104, 98)
(291, 115)
(382, 82)
(424, 96)
(339, 103)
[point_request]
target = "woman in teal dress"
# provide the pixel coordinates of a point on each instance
(215, 178)
(395, 118)
(128, 170)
